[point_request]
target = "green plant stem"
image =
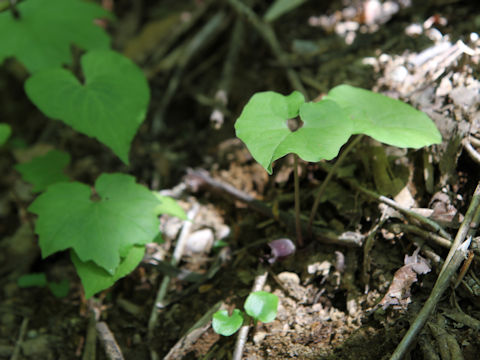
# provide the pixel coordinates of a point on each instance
(330, 174)
(393, 204)
(201, 178)
(208, 33)
(296, 181)
(267, 33)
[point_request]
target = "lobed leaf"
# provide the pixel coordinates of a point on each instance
(262, 126)
(101, 231)
(110, 105)
(387, 120)
(95, 279)
(42, 36)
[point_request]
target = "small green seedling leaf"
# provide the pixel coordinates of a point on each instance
(95, 279)
(262, 305)
(385, 119)
(45, 170)
(43, 34)
(110, 106)
(5, 132)
(31, 280)
(263, 127)
(227, 325)
(102, 231)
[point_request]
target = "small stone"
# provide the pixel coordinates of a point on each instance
(200, 241)
(289, 278)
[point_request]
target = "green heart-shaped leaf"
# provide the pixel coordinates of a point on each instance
(263, 127)
(110, 106)
(385, 119)
(101, 231)
(43, 34)
(95, 278)
(227, 325)
(262, 305)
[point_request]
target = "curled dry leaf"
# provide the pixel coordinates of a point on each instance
(398, 294)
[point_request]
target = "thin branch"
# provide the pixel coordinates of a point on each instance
(267, 33)
(21, 336)
(112, 350)
(213, 27)
(458, 252)
(393, 204)
(441, 285)
(474, 154)
(200, 178)
(162, 291)
(468, 226)
(242, 336)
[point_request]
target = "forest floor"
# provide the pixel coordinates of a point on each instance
(353, 297)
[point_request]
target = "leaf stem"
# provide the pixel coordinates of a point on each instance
(13, 9)
(329, 177)
(298, 223)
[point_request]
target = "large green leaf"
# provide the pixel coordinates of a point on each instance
(110, 106)
(43, 34)
(263, 127)
(5, 132)
(95, 278)
(45, 170)
(102, 231)
(385, 119)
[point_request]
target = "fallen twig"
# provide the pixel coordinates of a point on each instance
(258, 285)
(112, 350)
(469, 225)
(21, 335)
(200, 178)
(204, 36)
(267, 33)
(441, 285)
(457, 254)
(222, 94)
(184, 344)
(474, 154)
(162, 290)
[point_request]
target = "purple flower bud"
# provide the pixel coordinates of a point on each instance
(281, 248)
